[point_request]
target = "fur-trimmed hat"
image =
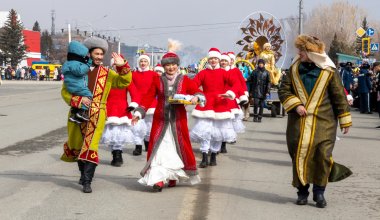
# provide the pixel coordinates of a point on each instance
(96, 42)
(144, 56)
(171, 57)
(158, 67)
(214, 52)
(310, 44)
(225, 57)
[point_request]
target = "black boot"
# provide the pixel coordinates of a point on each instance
(320, 200)
(117, 158)
(259, 119)
(213, 159)
(318, 197)
(81, 169)
(146, 143)
(138, 150)
(204, 162)
(89, 170)
(303, 193)
(223, 148)
(255, 118)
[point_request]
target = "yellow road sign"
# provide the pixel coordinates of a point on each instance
(360, 32)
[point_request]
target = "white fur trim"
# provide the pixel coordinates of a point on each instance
(144, 56)
(211, 114)
(243, 98)
(350, 98)
(133, 104)
(225, 57)
(118, 121)
(159, 68)
(229, 92)
(246, 93)
(232, 56)
(150, 111)
(137, 114)
(212, 54)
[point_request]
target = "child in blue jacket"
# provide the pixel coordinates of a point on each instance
(75, 71)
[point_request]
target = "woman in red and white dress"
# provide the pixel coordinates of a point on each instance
(170, 155)
(213, 124)
(118, 130)
(143, 80)
(234, 104)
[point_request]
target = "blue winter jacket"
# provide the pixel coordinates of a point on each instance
(364, 81)
(75, 70)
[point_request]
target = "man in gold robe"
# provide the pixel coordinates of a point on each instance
(83, 139)
(313, 95)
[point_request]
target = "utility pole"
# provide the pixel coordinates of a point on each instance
(300, 17)
(53, 22)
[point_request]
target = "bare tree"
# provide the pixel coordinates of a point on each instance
(341, 17)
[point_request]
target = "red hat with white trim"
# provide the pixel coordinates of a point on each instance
(214, 52)
(232, 55)
(158, 67)
(225, 57)
(143, 56)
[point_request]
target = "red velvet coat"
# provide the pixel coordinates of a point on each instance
(173, 115)
(242, 91)
(143, 81)
(215, 82)
(117, 104)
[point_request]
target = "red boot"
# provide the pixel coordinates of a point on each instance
(172, 183)
(158, 186)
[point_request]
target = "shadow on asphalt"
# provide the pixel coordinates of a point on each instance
(282, 142)
(260, 160)
(261, 150)
(252, 194)
(266, 132)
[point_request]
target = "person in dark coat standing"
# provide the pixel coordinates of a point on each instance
(364, 88)
(347, 77)
(259, 88)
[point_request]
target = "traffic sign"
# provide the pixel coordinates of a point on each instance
(375, 47)
(360, 32)
(370, 32)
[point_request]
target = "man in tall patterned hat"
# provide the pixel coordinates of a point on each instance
(83, 140)
(313, 95)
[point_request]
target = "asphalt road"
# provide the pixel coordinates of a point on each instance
(251, 181)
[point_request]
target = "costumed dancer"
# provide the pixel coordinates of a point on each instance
(143, 80)
(170, 156)
(235, 108)
(159, 69)
(83, 140)
(213, 124)
(313, 95)
(118, 129)
(270, 61)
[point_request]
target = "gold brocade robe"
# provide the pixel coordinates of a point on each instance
(83, 140)
(311, 139)
(270, 62)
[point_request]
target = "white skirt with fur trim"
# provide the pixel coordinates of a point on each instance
(237, 122)
(117, 134)
(139, 131)
(167, 165)
(216, 130)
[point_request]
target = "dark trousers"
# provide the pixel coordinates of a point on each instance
(258, 105)
(304, 190)
(364, 103)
